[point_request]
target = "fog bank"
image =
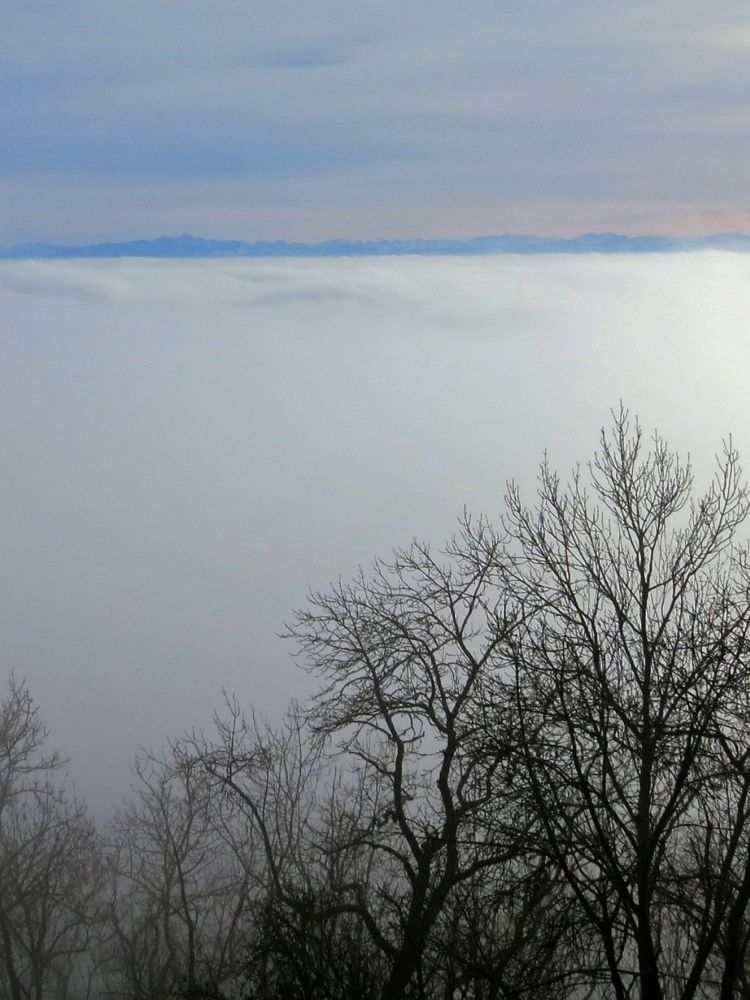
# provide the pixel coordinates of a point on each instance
(188, 446)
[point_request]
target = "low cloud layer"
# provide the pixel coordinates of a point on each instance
(189, 446)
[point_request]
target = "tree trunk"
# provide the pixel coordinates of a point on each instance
(14, 982)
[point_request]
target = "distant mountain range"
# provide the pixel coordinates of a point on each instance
(186, 246)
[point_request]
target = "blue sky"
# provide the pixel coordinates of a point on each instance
(304, 120)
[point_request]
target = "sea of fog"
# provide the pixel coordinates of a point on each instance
(187, 447)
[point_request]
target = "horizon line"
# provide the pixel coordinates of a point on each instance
(187, 246)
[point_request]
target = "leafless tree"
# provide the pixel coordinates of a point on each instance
(275, 796)
(177, 898)
(404, 654)
(49, 870)
(629, 665)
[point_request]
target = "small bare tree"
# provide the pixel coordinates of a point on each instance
(275, 796)
(49, 865)
(177, 897)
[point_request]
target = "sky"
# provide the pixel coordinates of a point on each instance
(309, 120)
(188, 446)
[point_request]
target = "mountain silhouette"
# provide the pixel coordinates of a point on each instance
(187, 246)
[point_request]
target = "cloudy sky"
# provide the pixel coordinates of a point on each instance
(308, 120)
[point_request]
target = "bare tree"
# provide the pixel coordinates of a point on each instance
(274, 794)
(404, 655)
(49, 865)
(629, 665)
(177, 897)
